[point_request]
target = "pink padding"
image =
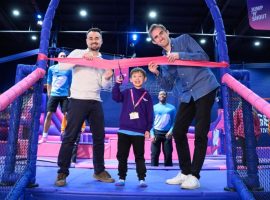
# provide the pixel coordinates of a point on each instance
(136, 62)
(256, 101)
(10, 95)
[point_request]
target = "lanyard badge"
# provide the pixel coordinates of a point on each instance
(135, 115)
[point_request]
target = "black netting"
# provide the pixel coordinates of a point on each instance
(15, 133)
(4, 122)
(242, 114)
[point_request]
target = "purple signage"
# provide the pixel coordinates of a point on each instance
(259, 14)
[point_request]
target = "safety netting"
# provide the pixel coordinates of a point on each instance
(250, 143)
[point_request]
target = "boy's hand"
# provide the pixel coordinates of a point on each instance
(119, 79)
(147, 134)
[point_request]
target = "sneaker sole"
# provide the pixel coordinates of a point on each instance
(109, 180)
(174, 183)
(190, 188)
(60, 185)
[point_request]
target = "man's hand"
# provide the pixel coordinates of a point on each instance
(168, 135)
(153, 67)
(153, 139)
(172, 57)
(108, 74)
(88, 56)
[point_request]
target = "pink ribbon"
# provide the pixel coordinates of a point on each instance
(136, 62)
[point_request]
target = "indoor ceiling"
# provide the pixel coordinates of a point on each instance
(119, 18)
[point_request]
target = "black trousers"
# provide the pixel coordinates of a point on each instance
(79, 110)
(199, 110)
(123, 146)
(167, 148)
(75, 149)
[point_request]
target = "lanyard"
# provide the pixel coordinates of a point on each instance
(139, 101)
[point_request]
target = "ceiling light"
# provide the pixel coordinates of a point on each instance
(257, 43)
(134, 37)
(152, 14)
(148, 39)
(16, 12)
(39, 16)
(203, 41)
(40, 22)
(83, 13)
(34, 37)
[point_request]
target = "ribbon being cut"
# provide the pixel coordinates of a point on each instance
(135, 62)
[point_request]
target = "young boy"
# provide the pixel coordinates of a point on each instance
(136, 121)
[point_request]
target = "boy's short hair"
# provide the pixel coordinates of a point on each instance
(138, 69)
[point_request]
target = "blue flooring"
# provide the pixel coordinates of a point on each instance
(81, 185)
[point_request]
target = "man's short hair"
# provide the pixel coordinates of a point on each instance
(94, 30)
(162, 92)
(153, 26)
(62, 54)
(138, 69)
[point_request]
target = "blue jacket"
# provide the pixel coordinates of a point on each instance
(196, 82)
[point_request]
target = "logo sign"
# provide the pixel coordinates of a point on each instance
(259, 14)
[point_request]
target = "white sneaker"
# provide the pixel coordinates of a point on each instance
(72, 164)
(190, 183)
(42, 140)
(178, 179)
(142, 183)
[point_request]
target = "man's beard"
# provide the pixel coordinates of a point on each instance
(95, 48)
(163, 101)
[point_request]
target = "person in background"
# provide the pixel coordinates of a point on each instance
(239, 132)
(199, 87)
(85, 104)
(215, 141)
(161, 133)
(58, 85)
(136, 120)
(269, 126)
